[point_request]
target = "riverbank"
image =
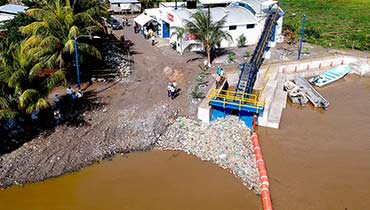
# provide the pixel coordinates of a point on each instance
(226, 142)
(126, 130)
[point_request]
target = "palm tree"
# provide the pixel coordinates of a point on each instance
(148, 3)
(51, 36)
(27, 91)
(179, 33)
(207, 31)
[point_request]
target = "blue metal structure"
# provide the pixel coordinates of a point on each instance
(77, 66)
(242, 102)
(302, 36)
(249, 70)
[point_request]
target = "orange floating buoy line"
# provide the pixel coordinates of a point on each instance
(264, 180)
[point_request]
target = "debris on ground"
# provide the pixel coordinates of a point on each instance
(226, 142)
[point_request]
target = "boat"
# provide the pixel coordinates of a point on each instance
(330, 76)
(316, 99)
(295, 94)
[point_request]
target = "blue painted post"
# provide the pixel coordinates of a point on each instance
(77, 67)
(302, 35)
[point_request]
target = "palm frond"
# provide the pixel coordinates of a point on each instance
(29, 96)
(6, 114)
(54, 80)
(42, 104)
(89, 50)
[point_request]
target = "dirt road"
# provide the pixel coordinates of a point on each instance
(135, 113)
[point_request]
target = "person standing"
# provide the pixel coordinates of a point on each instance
(173, 91)
(169, 89)
(57, 101)
(57, 117)
(69, 91)
(153, 39)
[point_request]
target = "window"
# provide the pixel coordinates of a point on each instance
(250, 26)
(232, 28)
(119, 5)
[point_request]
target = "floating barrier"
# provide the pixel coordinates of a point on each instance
(264, 180)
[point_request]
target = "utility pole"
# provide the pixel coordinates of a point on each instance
(302, 36)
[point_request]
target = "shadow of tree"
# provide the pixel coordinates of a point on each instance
(17, 132)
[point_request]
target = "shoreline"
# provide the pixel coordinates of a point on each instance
(243, 169)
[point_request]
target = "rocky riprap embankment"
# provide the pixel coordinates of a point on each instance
(226, 142)
(71, 148)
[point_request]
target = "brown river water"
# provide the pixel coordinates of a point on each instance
(317, 160)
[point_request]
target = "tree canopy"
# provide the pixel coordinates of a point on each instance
(37, 50)
(207, 31)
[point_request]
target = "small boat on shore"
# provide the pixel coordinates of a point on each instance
(330, 76)
(295, 94)
(316, 99)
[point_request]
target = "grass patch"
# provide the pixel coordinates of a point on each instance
(331, 23)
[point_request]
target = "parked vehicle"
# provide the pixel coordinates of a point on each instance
(114, 23)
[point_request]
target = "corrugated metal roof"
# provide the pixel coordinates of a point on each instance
(235, 15)
(12, 9)
(123, 1)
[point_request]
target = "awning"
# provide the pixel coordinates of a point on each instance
(142, 19)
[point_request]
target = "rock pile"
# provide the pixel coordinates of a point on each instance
(117, 59)
(227, 142)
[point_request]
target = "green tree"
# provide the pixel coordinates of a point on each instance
(241, 40)
(148, 3)
(51, 36)
(25, 90)
(179, 33)
(207, 31)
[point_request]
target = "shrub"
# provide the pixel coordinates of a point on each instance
(231, 57)
(241, 40)
(197, 93)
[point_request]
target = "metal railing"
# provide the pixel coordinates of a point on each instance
(240, 99)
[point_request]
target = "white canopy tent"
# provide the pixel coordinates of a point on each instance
(142, 19)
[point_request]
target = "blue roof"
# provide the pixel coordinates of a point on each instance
(12, 9)
(123, 1)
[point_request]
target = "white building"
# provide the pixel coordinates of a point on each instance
(245, 17)
(124, 6)
(9, 11)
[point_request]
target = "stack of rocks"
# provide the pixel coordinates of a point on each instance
(226, 142)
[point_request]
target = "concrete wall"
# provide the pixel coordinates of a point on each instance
(310, 68)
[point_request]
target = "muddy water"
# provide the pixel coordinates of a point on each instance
(139, 181)
(321, 160)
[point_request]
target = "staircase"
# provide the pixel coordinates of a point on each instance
(249, 70)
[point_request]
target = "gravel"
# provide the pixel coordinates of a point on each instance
(226, 142)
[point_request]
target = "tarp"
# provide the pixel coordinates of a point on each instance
(142, 19)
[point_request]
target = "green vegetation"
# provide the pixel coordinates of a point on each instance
(208, 32)
(179, 33)
(330, 23)
(36, 53)
(241, 40)
(201, 80)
